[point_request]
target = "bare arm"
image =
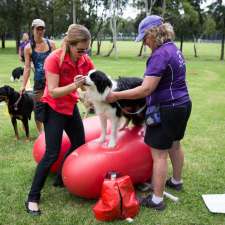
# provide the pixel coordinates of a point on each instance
(53, 47)
(27, 67)
(20, 58)
(149, 84)
(56, 91)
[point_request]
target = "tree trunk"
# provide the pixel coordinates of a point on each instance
(147, 8)
(53, 21)
(3, 40)
(113, 27)
(195, 49)
(98, 30)
(181, 42)
(17, 25)
(163, 8)
(110, 51)
(222, 44)
(141, 49)
(74, 12)
(99, 43)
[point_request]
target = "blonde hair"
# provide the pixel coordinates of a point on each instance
(161, 33)
(76, 33)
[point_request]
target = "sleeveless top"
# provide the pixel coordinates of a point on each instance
(38, 59)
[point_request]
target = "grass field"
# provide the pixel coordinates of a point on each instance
(204, 148)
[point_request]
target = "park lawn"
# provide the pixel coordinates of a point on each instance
(204, 145)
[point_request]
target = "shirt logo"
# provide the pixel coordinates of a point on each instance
(180, 59)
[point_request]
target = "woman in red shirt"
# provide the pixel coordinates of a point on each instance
(64, 70)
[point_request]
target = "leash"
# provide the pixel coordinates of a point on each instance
(131, 113)
(17, 102)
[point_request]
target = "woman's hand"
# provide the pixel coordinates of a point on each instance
(79, 81)
(22, 90)
(111, 97)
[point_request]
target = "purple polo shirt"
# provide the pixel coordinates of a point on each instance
(168, 63)
(23, 45)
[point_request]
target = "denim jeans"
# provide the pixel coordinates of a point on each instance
(53, 127)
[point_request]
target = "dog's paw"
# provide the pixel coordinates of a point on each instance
(100, 140)
(112, 144)
(122, 128)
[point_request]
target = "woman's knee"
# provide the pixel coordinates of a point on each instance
(176, 146)
(159, 154)
(50, 158)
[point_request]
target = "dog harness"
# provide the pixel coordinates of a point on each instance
(131, 113)
(38, 59)
(17, 102)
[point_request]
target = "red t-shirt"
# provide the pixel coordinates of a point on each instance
(67, 71)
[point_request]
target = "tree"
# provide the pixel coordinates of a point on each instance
(94, 22)
(15, 15)
(217, 10)
(3, 28)
(184, 18)
(209, 25)
(114, 8)
(3, 22)
(147, 5)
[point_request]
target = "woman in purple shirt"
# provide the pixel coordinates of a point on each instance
(23, 43)
(168, 105)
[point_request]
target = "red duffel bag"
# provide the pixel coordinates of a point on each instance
(117, 201)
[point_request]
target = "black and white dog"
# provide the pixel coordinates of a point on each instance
(19, 107)
(98, 86)
(16, 73)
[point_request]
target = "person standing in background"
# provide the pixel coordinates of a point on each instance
(36, 51)
(23, 43)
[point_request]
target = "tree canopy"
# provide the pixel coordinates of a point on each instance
(104, 17)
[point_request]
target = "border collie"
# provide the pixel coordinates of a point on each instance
(16, 74)
(98, 86)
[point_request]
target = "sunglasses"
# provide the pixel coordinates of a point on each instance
(40, 28)
(80, 50)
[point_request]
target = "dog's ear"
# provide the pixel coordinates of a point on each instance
(103, 83)
(8, 90)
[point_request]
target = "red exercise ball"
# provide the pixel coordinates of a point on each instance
(39, 150)
(92, 128)
(85, 169)
(92, 131)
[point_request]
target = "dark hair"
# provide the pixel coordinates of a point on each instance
(32, 42)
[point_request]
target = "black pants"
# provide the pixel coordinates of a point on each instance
(54, 126)
(39, 86)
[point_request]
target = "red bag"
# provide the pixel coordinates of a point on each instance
(117, 201)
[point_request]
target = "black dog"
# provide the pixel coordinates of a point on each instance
(16, 73)
(19, 107)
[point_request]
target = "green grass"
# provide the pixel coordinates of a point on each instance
(204, 148)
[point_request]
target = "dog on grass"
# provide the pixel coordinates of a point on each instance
(19, 107)
(16, 73)
(98, 86)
